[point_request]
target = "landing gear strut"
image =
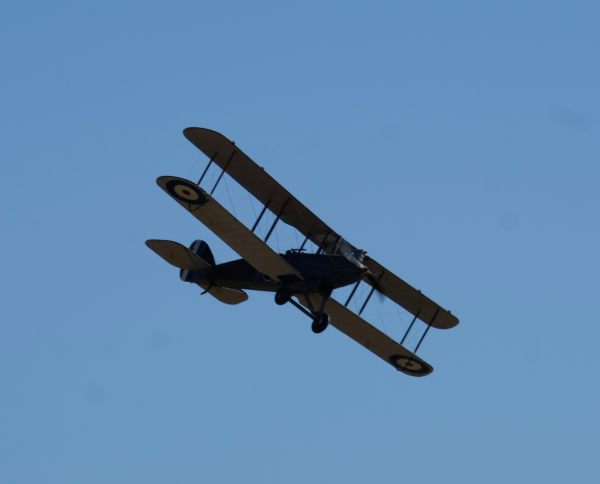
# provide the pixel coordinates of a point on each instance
(320, 319)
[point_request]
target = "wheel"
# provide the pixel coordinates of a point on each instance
(283, 296)
(320, 323)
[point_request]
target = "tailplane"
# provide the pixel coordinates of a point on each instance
(195, 259)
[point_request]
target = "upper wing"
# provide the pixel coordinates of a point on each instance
(281, 202)
(370, 337)
(235, 234)
(261, 185)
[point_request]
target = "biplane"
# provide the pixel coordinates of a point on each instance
(298, 278)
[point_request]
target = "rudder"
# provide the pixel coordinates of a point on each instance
(202, 250)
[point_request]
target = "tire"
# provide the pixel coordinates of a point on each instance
(320, 323)
(283, 296)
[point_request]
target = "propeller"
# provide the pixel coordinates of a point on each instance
(356, 257)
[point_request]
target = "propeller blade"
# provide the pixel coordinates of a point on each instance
(374, 281)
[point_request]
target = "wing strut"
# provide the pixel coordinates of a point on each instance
(224, 169)
(427, 330)
(261, 215)
(304, 243)
(352, 293)
(362, 308)
(424, 333)
(410, 327)
(210, 162)
(276, 220)
(323, 242)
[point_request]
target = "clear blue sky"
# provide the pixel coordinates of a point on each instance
(458, 142)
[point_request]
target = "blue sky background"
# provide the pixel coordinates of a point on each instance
(456, 141)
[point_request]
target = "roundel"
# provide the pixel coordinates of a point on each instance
(186, 192)
(409, 365)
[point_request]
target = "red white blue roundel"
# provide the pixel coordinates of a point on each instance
(186, 192)
(408, 365)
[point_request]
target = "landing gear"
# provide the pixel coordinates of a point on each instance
(320, 319)
(320, 323)
(283, 296)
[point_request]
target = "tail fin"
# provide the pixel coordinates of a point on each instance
(202, 250)
(197, 258)
(223, 294)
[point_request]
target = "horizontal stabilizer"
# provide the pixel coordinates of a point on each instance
(226, 295)
(177, 255)
(183, 258)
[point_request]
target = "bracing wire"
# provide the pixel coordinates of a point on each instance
(229, 196)
(277, 240)
(296, 237)
(381, 318)
(253, 208)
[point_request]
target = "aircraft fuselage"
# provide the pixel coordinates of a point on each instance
(320, 272)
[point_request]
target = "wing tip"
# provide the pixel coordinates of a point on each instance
(162, 180)
(410, 365)
(191, 133)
